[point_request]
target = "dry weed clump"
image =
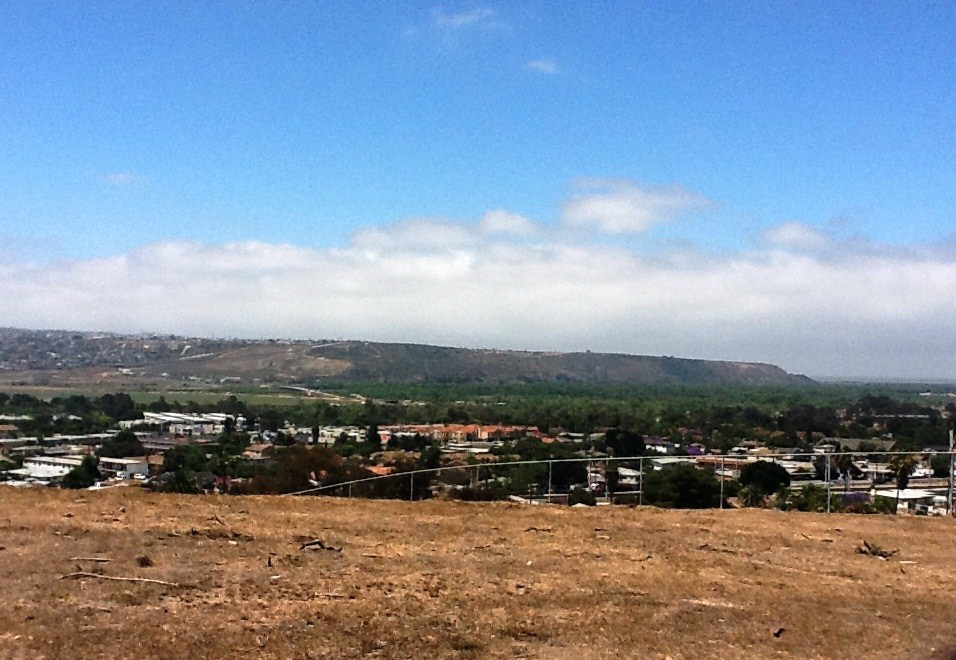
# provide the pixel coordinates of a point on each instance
(332, 578)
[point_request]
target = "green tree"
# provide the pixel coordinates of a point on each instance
(190, 458)
(940, 465)
(844, 463)
(766, 477)
(625, 443)
(123, 444)
(84, 475)
(903, 466)
(682, 486)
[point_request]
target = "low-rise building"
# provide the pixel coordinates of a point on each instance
(124, 468)
(259, 451)
(45, 469)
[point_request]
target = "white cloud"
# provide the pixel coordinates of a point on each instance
(798, 236)
(619, 206)
(883, 312)
(501, 221)
(421, 234)
(462, 19)
(548, 67)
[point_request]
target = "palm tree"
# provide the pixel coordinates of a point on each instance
(902, 466)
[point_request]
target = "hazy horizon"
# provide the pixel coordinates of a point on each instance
(764, 183)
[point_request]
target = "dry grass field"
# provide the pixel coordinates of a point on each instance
(447, 580)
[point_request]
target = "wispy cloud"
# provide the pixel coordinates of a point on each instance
(463, 19)
(501, 221)
(618, 206)
(548, 67)
(797, 235)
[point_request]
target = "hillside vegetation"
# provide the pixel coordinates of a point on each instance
(445, 580)
(53, 357)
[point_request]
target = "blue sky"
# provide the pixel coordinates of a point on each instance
(127, 127)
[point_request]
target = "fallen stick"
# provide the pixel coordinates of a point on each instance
(320, 544)
(83, 574)
(100, 560)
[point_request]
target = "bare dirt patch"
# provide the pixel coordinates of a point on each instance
(441, 579)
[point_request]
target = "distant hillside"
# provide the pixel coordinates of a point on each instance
(59, 356)
(414, 362)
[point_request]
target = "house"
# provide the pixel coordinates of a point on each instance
(567, 436)
(123, 468)
(667, 461)
(46, 469)
(9, 444)
(628, 477)
(8, 431)
(658, 444)
(187, 424)
(860, 444)
(155, 463)
(909, 498)
(329, 435)
(724, 467)
(259, 452)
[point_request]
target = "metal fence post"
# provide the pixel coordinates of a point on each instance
(411, 486)
(607, 483)
(640, 486)
(827, 472)
(952, 465)
(550, 488)
(722, 473)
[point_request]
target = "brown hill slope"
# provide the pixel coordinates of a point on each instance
(445, 580)
(415, 362)
(63, 357)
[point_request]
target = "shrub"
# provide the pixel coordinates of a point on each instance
(940, 465)
(581, 496)
(781, 499)
(751, 496)
(84, 475)
(885, 505)
(810, 498)
(765, 476)
(682, 486)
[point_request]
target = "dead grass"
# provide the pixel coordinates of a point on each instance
(440, 579)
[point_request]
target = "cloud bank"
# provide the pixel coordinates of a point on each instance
(800, 299)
